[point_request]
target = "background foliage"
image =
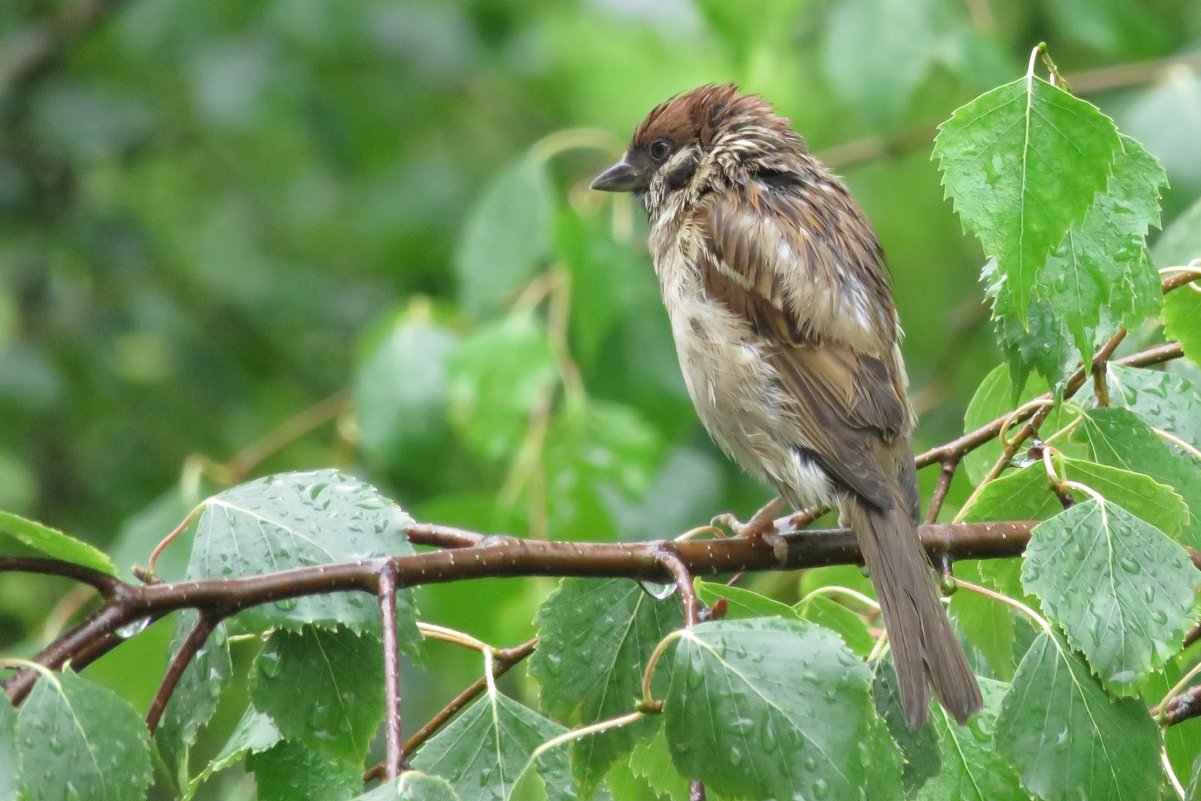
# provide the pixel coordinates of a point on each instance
(216, 217)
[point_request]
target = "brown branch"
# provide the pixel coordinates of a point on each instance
(394, 761)
(191, 646)
(500, 556)
(106, 585)
(945, 475)
(678, 571)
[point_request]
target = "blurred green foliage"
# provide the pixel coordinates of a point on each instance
(215, 216)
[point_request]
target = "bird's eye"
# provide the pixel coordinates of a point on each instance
(660, 149)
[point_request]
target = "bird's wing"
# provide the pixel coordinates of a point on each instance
(829, 331)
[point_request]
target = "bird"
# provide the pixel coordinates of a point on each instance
(782, 312)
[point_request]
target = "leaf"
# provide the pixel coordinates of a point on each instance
(288, 771)
(1141, 495)
(1100, 276)
(495, 379)
(1182, 319)
(411, 785)
(484, 751)
(743, 603)
(844, 622)
(972, 768)
(54, 543)
(506, 238)
(773, 21)
(993, 399)
(1068, 739)
(919, 747)
(1026, 495)
(195, 698)
(1180, 244)
(1039, 342)
(1023, 163)
(1019, 495)
(759, 707)
(1166, 401)
(988, 629)
(651, 760)
(294, 520)
(76, 739)
(594, 641)
(255, 732)
(400, 393)
(1117, 437)
(8, 752)
(323, 688)
(1121, 590)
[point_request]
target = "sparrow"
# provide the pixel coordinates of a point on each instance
(784, 322)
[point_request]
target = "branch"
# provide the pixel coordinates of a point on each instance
(394, 761)
(509, 556)
(191, 646)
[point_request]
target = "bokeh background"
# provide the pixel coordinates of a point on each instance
(239, 238)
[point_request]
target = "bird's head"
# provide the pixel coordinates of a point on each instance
(708, 134)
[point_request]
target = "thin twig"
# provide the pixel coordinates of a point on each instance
(683, 581)
(945, 475)
(191, 646)
(394, 761)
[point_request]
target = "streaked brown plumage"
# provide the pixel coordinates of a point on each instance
(782, 312)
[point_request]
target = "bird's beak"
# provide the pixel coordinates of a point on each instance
(621, 177)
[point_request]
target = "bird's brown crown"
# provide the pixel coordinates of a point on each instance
(701, 114)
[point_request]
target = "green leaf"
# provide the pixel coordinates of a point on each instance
(1117, 437)
(1100, 276)
(651, 760)
(1141, 495)
(743, 603)
(594, 640)
(1024, 163)
(195, 698)
(323, 688)
(1121, 590)
(400, 392)
(484, 751)
(78, 740)
(55, 543)
(411, 785)
(1019, 495)
(8, 752)
(1166, 401)
(919, 747)
(972, 768)
(1039, 342)
(1180, 244)
(1068, 739)
(987, 627)
(507, 236)
(1182, 319)
(758, 707)
(844, 622)
(294, 520)
(496, 378)
(1026, 495)
(288, 771)
(255, 732)
(993, 399)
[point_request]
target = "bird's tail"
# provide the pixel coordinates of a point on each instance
(925, 650)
